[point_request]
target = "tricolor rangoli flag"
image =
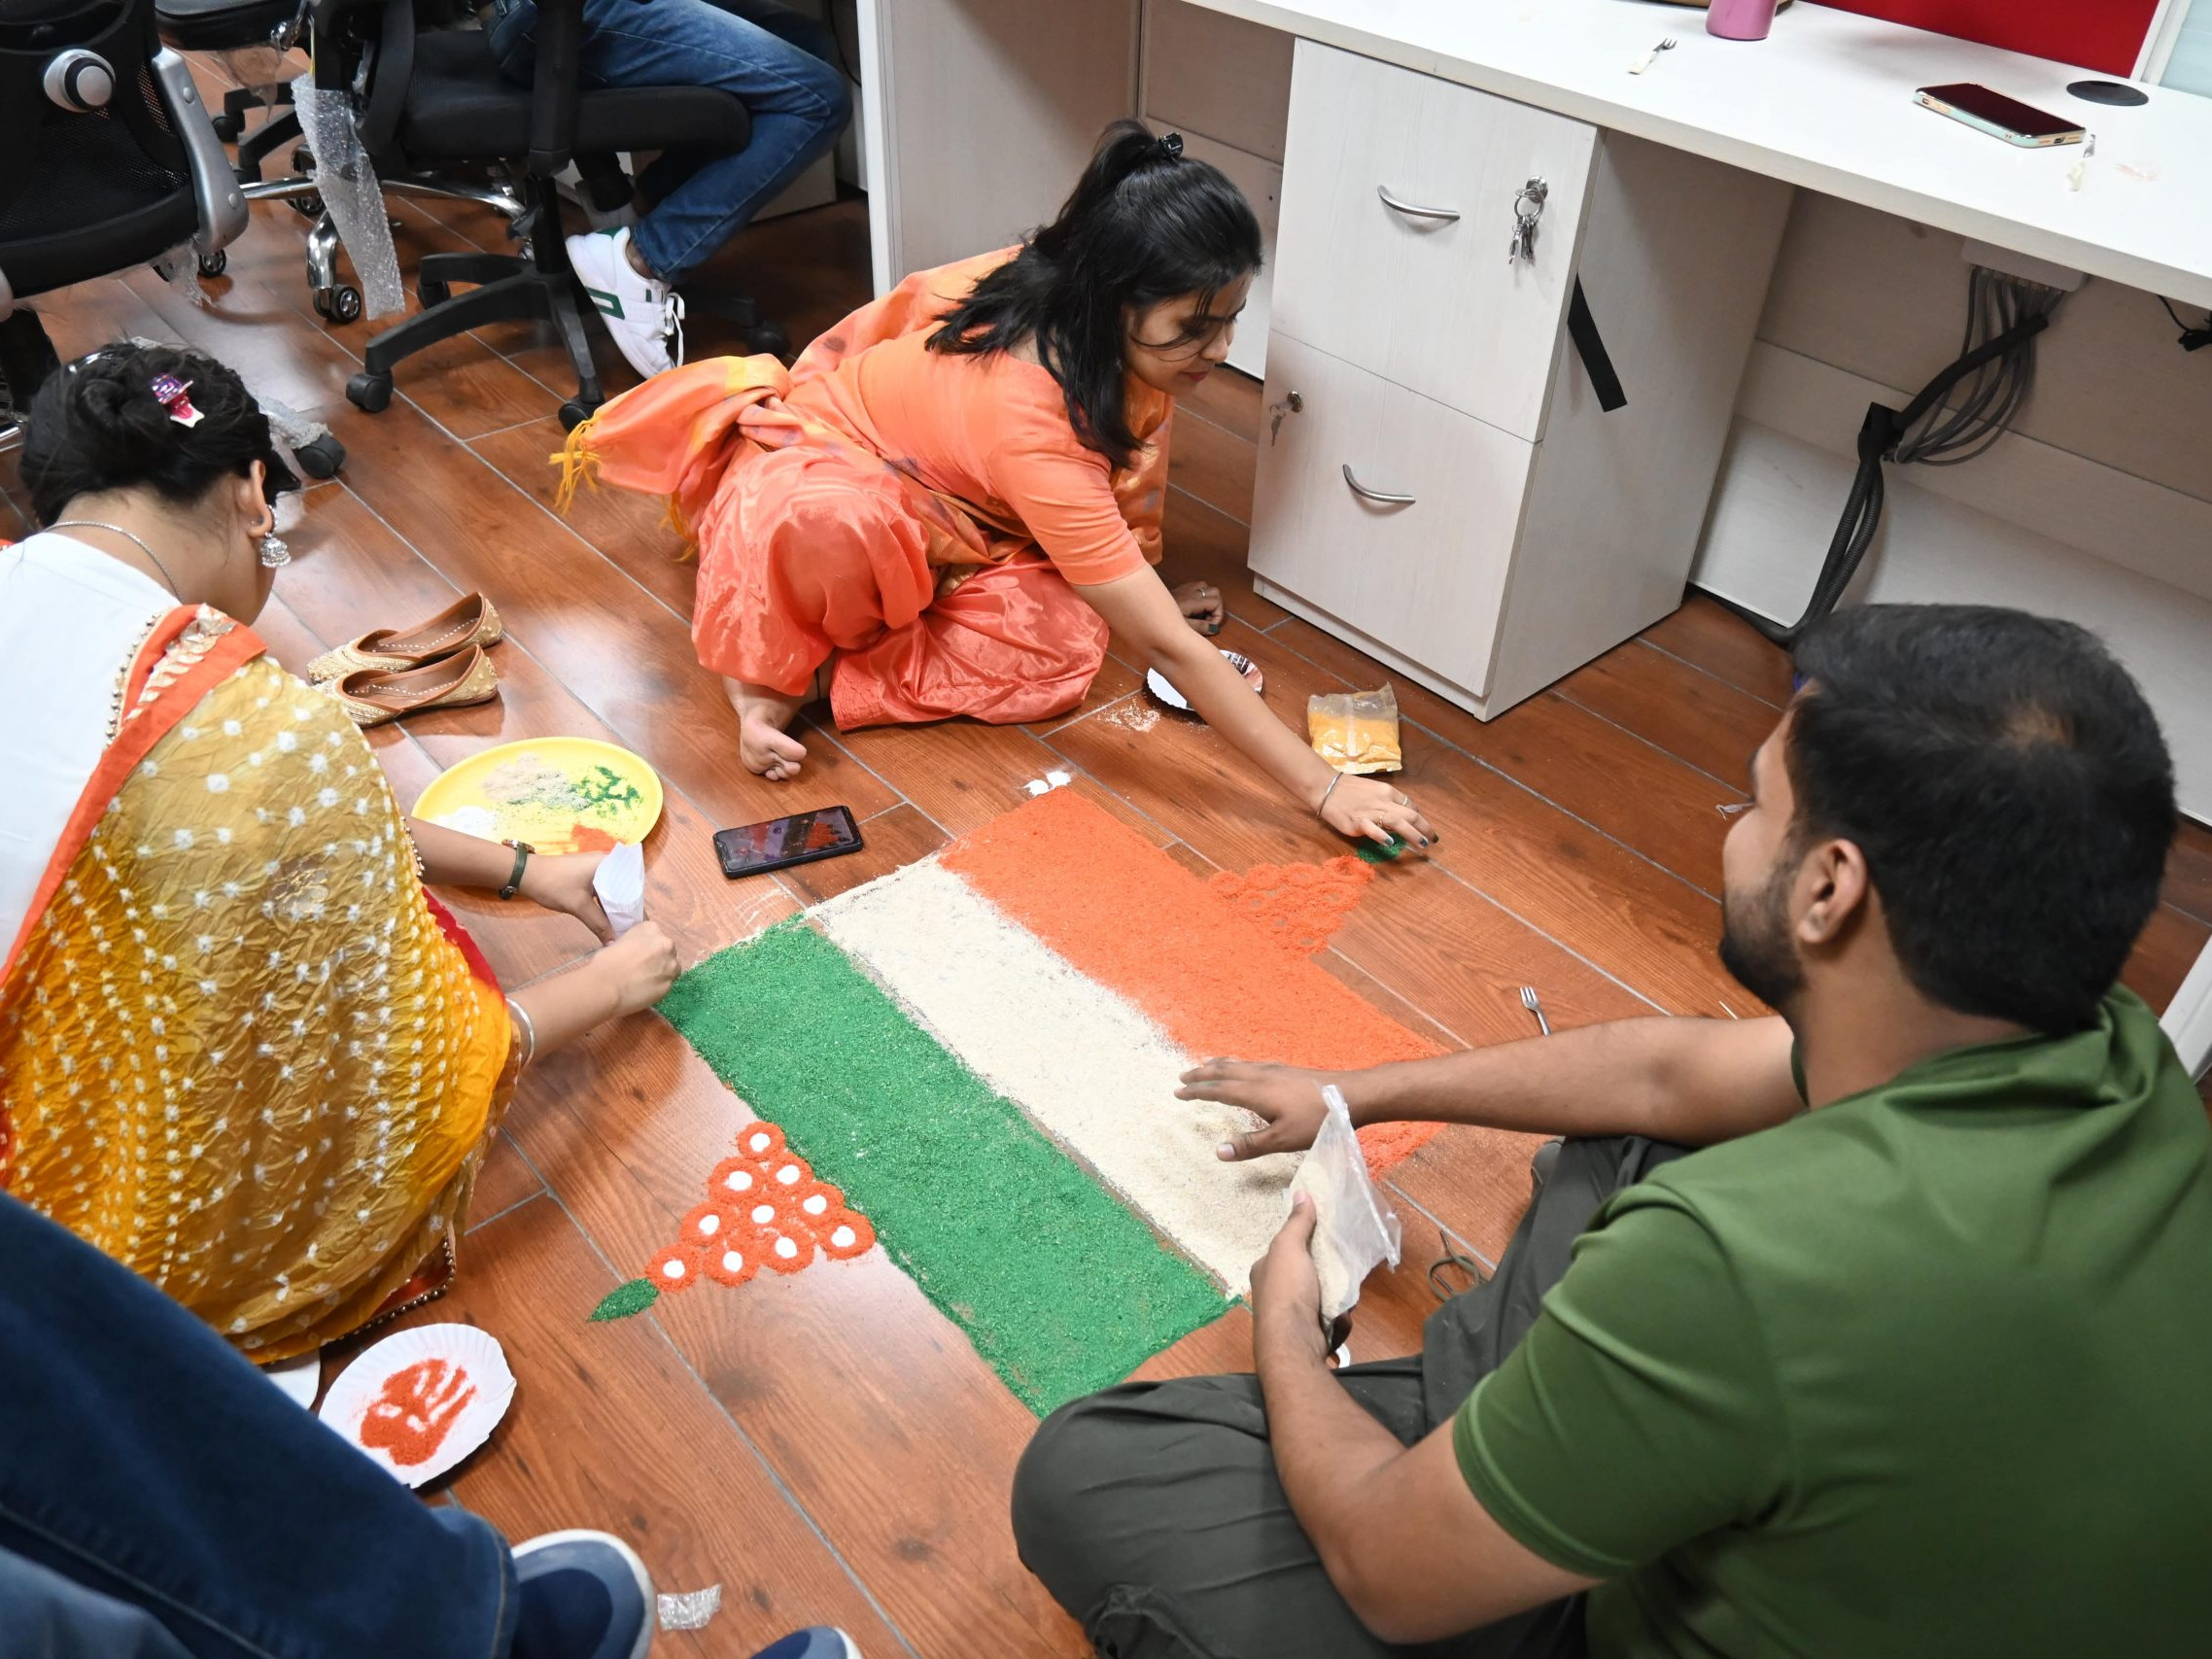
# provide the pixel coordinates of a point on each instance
(978, 1053)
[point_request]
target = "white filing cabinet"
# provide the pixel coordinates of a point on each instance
(1437, 482)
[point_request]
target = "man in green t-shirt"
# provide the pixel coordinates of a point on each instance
(1913, 1356)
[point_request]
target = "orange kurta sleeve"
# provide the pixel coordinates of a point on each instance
(1064, 494)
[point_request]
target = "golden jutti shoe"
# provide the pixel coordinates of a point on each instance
(469, 621)
(372, 697)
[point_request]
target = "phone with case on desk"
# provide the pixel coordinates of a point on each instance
(1998, 116)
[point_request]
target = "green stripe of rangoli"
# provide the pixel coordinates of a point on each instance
(1062, 1288)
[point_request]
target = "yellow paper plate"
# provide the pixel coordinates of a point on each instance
(557, 794)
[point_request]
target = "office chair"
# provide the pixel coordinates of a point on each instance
(438, 99)
(111, 162)
(238, 26)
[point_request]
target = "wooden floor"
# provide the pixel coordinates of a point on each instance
(827, 1446)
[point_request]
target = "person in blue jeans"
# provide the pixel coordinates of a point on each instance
(160, 1499)
(780, 64)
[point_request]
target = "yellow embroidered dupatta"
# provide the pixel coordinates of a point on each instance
(239, 1051)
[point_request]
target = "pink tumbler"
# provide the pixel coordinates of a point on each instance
(1739, 20)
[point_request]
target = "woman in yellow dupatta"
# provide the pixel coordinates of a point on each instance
(241, 1050)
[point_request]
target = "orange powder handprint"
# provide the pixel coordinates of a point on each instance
(417, 1408)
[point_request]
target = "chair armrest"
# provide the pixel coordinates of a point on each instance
(555, 86)
(222, 203)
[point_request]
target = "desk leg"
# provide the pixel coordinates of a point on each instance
(2189, 1019)
(979, 115)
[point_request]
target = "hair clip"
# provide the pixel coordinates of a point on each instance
(1171, 146)
(175, 396)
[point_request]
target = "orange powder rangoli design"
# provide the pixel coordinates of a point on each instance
(764, 1208)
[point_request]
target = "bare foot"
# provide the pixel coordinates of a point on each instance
(763, 744)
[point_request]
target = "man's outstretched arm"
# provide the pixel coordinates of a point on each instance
(1693, 1082)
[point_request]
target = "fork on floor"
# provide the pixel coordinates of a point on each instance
(1530, 1002)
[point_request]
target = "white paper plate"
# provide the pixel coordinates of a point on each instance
(1155, 683)
(298, 1378)
(419, 1401)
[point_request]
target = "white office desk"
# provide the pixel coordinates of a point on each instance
(999, 100)
(1827, 102)
(980, 114)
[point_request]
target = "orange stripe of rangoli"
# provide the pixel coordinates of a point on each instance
(1126, 916)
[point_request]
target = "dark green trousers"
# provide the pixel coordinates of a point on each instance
(1152, 1513)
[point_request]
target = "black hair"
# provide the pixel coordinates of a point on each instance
(2011, 791)
(96, 426)
(1145, 223)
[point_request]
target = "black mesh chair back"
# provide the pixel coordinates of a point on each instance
(90, 190)
(106, 160)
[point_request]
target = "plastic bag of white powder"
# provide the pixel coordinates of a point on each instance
(1354, 1229)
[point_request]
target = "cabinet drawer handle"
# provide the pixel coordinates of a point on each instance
(1383, 497)
(1447, 214)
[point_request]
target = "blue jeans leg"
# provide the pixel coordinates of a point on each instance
(46, 1617)
(145, 1461)
(799, 104)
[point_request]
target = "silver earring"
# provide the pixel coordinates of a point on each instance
(275, 551)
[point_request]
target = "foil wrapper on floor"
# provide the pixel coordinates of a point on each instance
(346, 180)
(691, 1610)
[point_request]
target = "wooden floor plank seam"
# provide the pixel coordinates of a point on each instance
(1717, 679)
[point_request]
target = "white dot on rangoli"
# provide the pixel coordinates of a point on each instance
(843, 1238)
(672, 1267)
(786, 1249)
(788, 1175)
(709, 1224)
(763, 1214)
(737, 1181)
(815, 1204)
(760, 1143)
(733, 1261)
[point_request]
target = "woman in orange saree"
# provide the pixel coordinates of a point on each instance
(241, 1049)
(955, 495)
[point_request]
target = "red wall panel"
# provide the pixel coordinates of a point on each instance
(2103, 34)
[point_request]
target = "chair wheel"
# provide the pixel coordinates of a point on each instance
(216, 264)
(575, 413)
(370, 392)
(323, 458)
(768, 338)
(432, 293)
(302, 159)
(308, 206)
(226, 127)
(341, 305)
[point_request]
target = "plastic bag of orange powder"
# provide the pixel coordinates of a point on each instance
(1356, 731)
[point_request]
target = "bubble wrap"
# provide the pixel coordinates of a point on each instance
(346, 180)
(179, 268)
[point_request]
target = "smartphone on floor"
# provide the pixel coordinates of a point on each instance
(780, 843)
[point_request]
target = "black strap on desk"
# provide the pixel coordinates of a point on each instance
(1582, 329)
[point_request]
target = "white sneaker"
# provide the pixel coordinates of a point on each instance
(643, 315)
